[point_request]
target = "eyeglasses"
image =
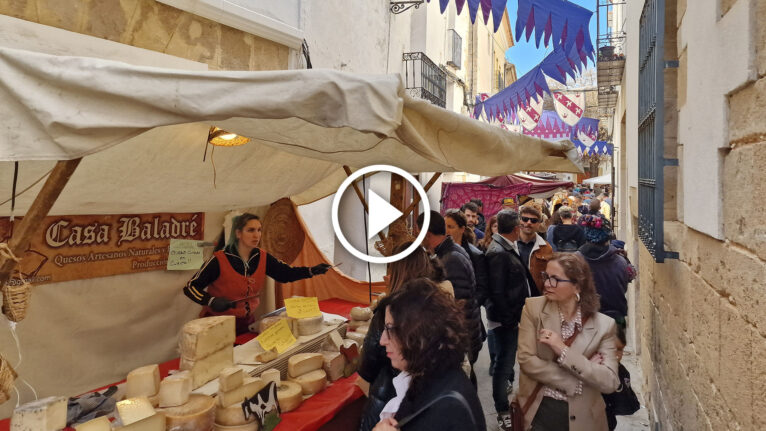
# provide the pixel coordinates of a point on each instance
(529, 219)
(390, 330)
(554, 281)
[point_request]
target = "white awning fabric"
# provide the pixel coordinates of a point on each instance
(142, 132)
(603, 179)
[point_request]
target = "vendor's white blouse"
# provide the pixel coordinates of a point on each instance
(401, 385)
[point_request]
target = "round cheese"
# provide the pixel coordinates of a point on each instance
(289, 395)
(232, 415)
(356, 336)
(361, 313)
(301, 363)
(310, 325)
(362, 329)
(197, 414)
(266, 322)
(252, 426)
(312, 382)
(353, 324)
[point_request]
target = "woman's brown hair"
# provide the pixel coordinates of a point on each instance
(578, 271)
(487, 240)
(417, 264)
(430, 329)
(459, 218)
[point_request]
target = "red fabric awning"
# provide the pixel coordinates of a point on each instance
(539, 185)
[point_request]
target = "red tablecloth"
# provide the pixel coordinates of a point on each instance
(313, 412)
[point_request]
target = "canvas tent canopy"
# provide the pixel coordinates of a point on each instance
(603, 179)
(142, 132)
(541, 188)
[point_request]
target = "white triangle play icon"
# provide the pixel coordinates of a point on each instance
(381, 214)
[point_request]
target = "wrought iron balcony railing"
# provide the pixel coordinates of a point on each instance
(424, 79)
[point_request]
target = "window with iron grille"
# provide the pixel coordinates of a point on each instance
(456, 50)
(651, 114)
(424, 79)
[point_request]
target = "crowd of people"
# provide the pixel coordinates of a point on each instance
(552, 278)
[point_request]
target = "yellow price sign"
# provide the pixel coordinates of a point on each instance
(277, 336)
(298, 308)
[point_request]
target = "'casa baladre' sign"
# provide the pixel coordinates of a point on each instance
(88, 246)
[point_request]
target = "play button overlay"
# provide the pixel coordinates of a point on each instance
(381, 213)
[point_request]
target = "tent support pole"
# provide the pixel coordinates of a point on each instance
(361, 198)
(416, 197)
(30, 223)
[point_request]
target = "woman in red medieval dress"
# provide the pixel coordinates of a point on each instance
(231, 281)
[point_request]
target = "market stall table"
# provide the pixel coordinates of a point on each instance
(313, 412)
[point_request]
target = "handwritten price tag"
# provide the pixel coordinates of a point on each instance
(299, 308)
(277, 336)
(184, 254)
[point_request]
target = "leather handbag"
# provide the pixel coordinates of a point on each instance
(517, 411)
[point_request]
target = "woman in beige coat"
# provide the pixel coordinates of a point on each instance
(570, 378)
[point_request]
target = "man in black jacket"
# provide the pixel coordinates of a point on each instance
(457, 265)
(509, 285)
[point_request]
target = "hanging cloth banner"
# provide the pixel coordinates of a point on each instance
(569, 106)
(560, 22)
(530, 114)
(495, 7)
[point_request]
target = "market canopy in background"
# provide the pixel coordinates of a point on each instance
(603, 179)
(540, 188)
(144, 132)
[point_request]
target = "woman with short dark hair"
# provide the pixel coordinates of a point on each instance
(567, 351)
(425, 339)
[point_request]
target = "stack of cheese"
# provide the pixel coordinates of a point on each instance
(184, 411)
(360, 323)
(207, 347)
(144, 382)
(137, 414)
(289, 394)
(306, 369)
(47, 414)
(334, 361)
(233, 389)
(299, 327)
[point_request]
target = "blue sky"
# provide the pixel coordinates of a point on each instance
(524, 54)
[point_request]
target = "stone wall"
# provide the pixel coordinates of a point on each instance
(154, 26)
(702, 318)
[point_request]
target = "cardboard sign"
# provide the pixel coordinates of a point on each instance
(75, 247)
(184, 254)
(278, 336)
(298, 308)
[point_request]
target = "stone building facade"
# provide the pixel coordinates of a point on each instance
(698, 321)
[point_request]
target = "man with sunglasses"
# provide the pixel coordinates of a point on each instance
(533, 249)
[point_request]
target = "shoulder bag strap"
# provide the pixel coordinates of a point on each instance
(539, 386)
(451, 394)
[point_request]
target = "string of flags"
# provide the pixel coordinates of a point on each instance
(556, 23)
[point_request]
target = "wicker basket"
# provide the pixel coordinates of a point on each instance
(7, 377)
(16, 301)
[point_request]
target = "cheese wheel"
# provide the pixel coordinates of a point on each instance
(143, 381)
(267, 322)
(47, 414)
(310, 325)
(252, 426)
(353, 324)
(362, 329)
(175, 389)
(271, 375)
(201, 337)
(230, 379)
(334, 362)
(100, 423)
(155, 422)
(134, 409)
(302, 363)
(232, 415)
(232, 397)
(207, 369)
(312, 382)
(266, 356)
(251, 386)
(358, 337)
(361, 313)
(289, 395)
(197, 414)
(334, 341)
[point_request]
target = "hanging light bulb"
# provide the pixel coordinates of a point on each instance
(222, 138)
